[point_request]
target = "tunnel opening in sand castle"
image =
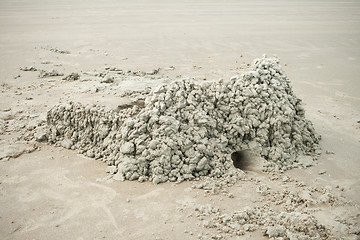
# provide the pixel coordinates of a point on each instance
(241, 159)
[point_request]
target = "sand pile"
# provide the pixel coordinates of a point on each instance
(188, 129)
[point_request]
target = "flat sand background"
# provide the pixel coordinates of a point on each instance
(54, 193)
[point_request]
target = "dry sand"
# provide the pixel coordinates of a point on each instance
(53, 193)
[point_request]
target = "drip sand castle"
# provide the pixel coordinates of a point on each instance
(187, 129)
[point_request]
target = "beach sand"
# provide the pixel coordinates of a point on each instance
(48, 192)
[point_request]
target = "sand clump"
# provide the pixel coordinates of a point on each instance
(45, 74)
(72, 77)
(188, 129)
(52, 73)
(274, 224)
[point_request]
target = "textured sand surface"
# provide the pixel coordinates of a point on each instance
(53, 193)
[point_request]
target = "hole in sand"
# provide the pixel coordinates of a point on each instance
(241, 159)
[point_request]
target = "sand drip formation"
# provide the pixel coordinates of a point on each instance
(188, 129)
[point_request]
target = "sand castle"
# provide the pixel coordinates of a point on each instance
(188, 129)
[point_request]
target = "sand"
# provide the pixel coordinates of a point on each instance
(50, 192)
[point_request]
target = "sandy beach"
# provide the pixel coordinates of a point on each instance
(49, 192)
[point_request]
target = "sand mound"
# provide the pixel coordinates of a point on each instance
(188, 129)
